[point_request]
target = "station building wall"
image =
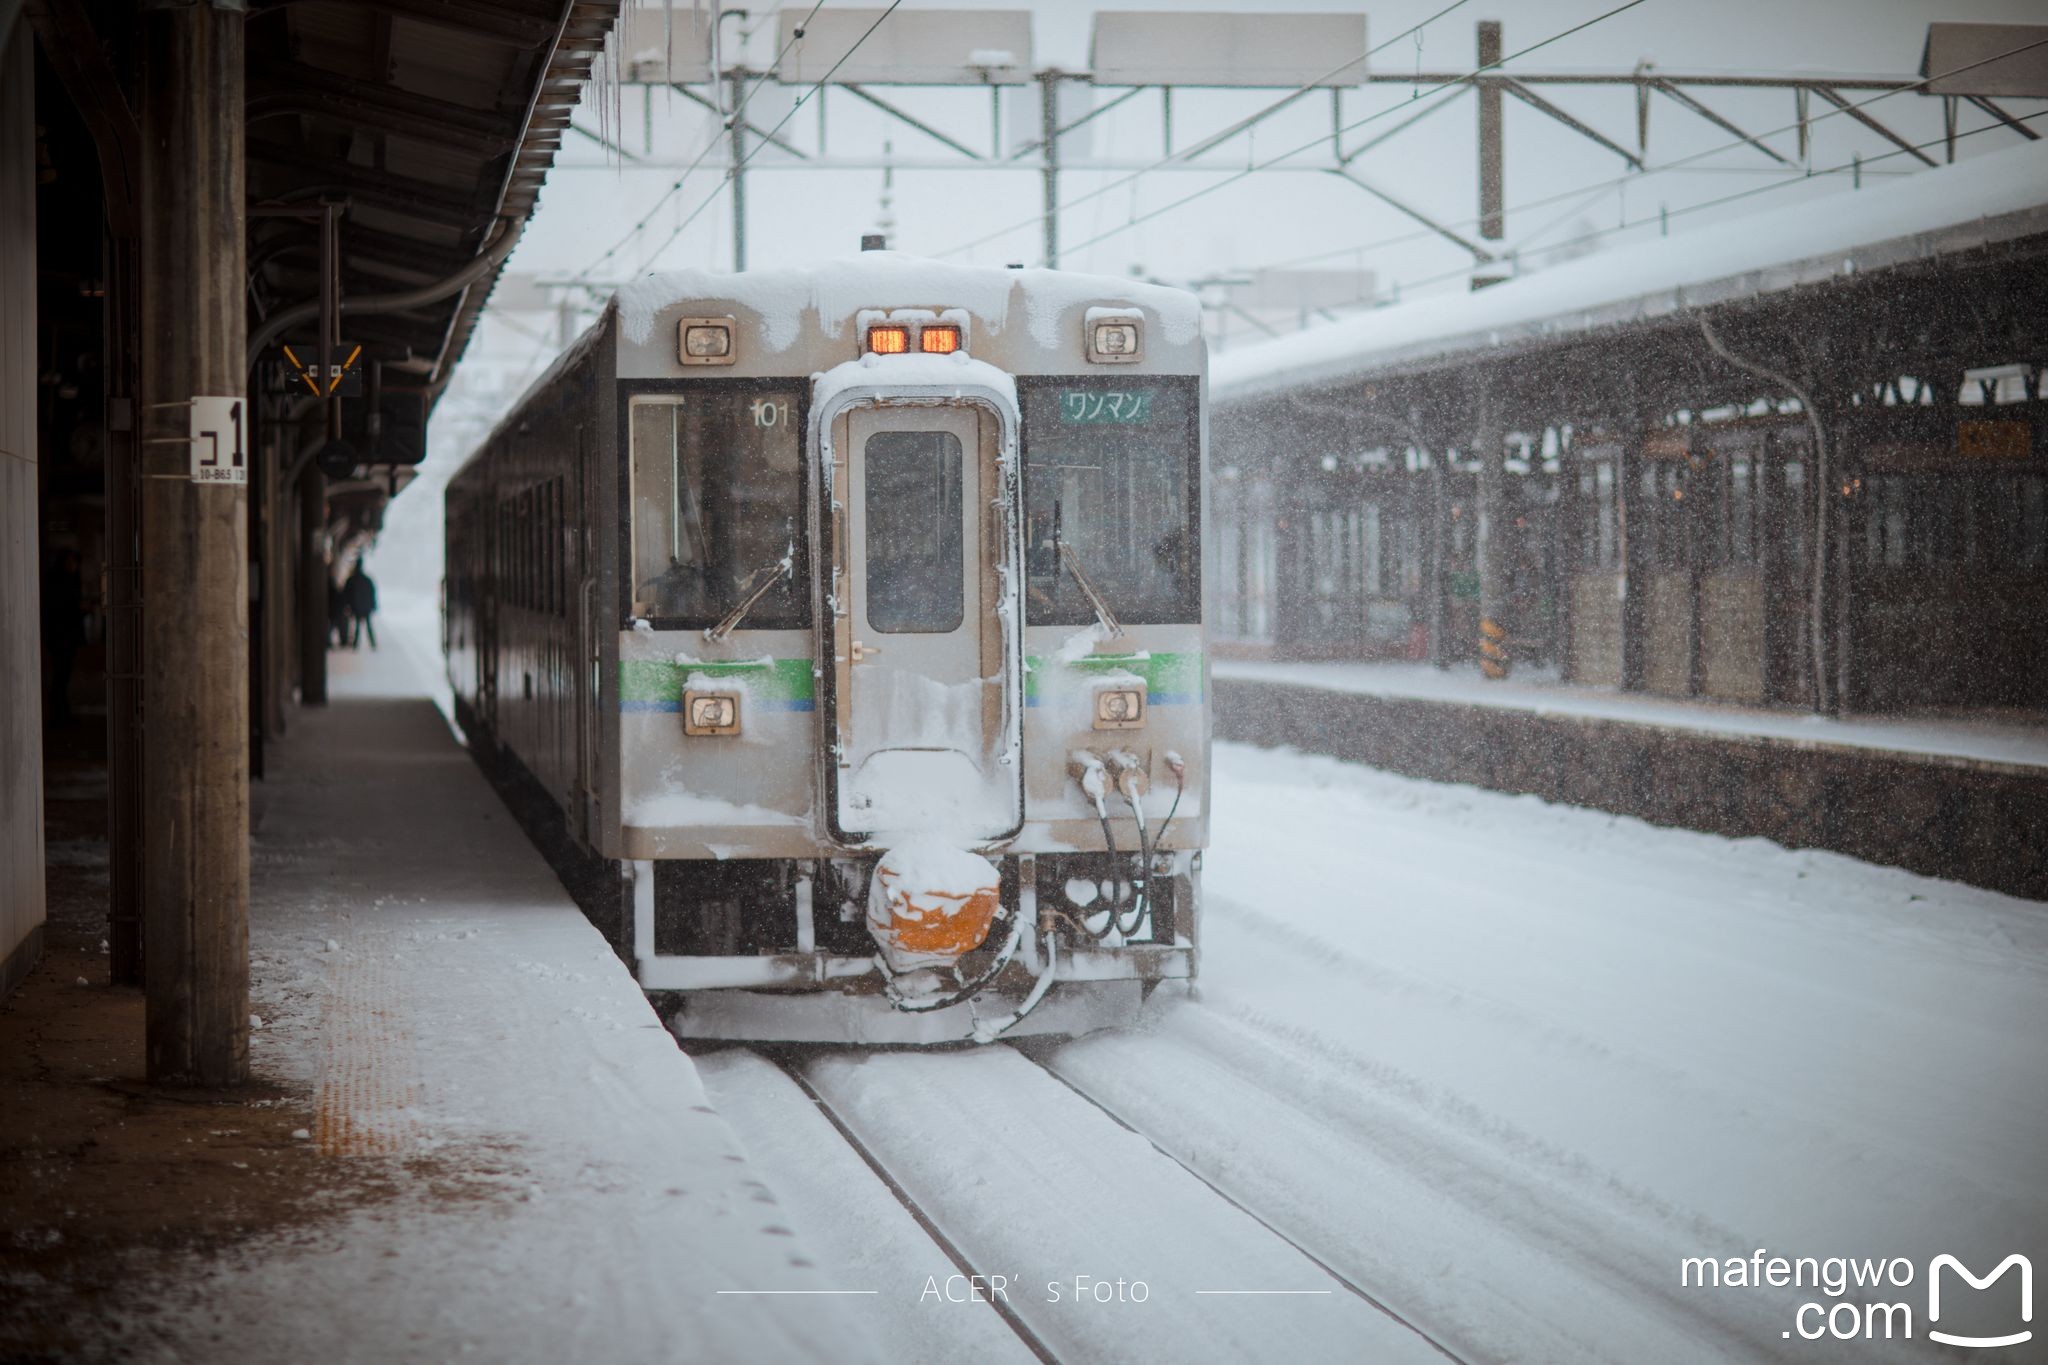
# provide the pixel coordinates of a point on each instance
(21, 712)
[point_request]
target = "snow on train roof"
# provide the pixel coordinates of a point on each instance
(1915, 216)
(829, 293)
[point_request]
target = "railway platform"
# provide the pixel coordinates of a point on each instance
(1949, 794)
(488, 1133)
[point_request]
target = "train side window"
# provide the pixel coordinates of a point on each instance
(916, 560)
(1109, 475)
(557, 550)
(716, 503)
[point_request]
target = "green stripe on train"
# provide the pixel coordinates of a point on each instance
(657, 680)
(1164, 673)
(645, 680)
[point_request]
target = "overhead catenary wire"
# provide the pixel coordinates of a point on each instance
(717, 136)
(1601, 187)
(1214, 139)
(1645, 221)
(759, 143)
(1353, 126)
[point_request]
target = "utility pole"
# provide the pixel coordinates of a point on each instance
(737, 124)
(1049, 157)
(1492, 203)
(194, 545)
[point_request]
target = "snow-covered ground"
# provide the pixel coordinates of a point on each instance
(1979, 736)
(559, 1187)
(1502, 1064)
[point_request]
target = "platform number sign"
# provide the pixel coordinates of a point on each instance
(219, 441)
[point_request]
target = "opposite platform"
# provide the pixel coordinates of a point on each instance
(1955, 796)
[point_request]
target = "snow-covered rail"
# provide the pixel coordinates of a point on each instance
(1000, 1305)
(1350, 1283)
(1102, 1246)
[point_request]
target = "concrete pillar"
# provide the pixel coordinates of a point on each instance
(194, 550)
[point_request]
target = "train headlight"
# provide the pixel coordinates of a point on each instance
(706, 341)
(1120, 708)
(1115, 336)
(939, 340)
(888, 339)
(711, 713)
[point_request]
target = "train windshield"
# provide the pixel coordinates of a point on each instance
(716, 497)
(1109, 490)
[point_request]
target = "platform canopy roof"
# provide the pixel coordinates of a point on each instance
(434, 119)
(1990, 201)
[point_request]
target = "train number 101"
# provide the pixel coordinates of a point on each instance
(770, 412)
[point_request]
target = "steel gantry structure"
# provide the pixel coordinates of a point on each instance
(1975, 71)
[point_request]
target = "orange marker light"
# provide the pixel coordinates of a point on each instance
(939, 340)
(888, 340)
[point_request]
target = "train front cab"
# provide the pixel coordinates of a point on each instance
(958, 625)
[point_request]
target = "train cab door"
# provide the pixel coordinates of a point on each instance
(924, 692)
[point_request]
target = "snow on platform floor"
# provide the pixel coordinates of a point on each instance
(423, 972)
(1987, 736)
(1507, 1063)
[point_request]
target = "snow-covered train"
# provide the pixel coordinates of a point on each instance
(854, 616)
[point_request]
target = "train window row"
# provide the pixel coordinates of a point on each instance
(532, 571)
(1936, 520)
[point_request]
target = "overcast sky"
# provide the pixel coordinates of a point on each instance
(1560, 187)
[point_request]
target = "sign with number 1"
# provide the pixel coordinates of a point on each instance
(219, 441)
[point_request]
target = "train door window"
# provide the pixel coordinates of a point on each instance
(559, 549)
(529, 568)
(1792, 520)
(1885, 523)
(1109, 488)
(551, 547)
(1603, 540)
(2030, 549)
(1375, 584)
(916, 566)
(1259, 582)
(1741, 511)
(1229, 586)
(716, 506)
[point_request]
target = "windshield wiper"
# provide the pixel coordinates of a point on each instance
(1102, 611)
(756, 588)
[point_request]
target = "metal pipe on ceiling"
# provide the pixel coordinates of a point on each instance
(486, 261)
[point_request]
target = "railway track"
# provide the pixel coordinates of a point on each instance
(1030, 1339)
(1349, 1284)
(1183, 1207)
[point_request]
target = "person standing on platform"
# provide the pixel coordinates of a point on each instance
(337, 615)
(361, 596)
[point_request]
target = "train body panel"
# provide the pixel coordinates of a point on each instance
(805, 594)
